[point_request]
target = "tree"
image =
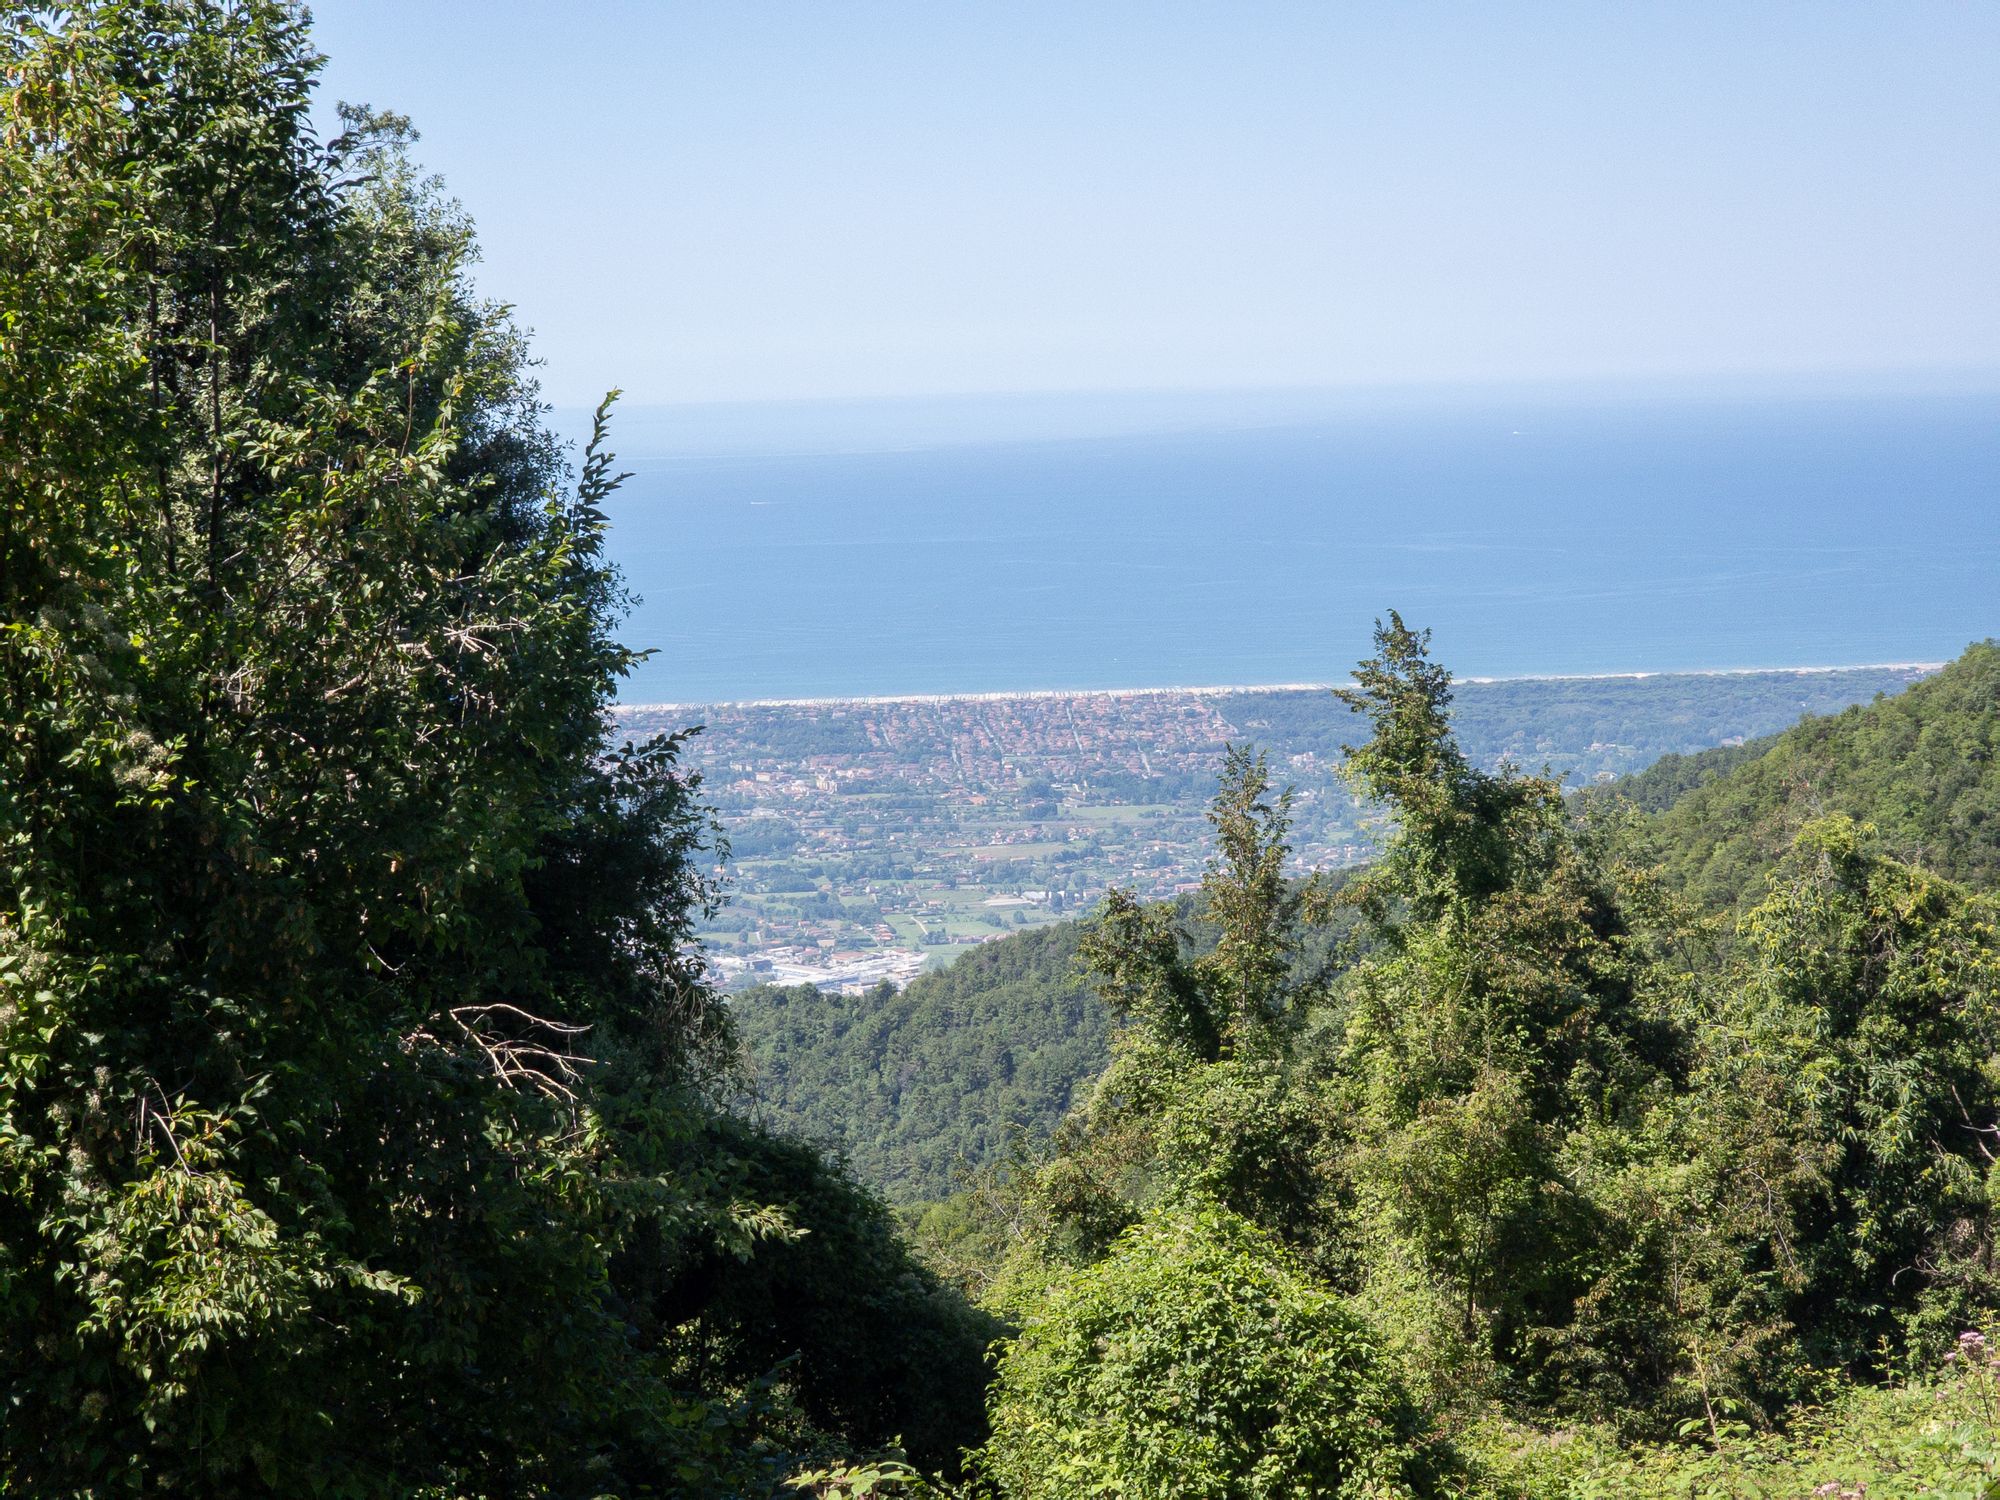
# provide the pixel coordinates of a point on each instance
(1236, 997)
(1198, 1360)
(1452, 818)
(1195, 1105)
(1494, 1032)
(1846, 1096)
(358, 1130)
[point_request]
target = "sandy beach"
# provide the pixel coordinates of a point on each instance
(1222, 689)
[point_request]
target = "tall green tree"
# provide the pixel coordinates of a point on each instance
(1194, 1103)
(358, 1130)
(1493, 1038)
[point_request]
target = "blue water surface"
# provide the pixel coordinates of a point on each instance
(1533, 534)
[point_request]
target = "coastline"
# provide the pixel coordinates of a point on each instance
(1227, 689)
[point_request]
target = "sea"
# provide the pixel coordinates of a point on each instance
(857, 549)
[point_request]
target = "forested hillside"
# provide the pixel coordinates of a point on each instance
(913, 1087)
(1923, 766)
(1672, 777)
(1540, 1192)
(917, 1087)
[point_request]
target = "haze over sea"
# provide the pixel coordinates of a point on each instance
(859, 549)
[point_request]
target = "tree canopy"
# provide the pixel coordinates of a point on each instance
(1923, 766)
(359, 1129)
(1567, 1147)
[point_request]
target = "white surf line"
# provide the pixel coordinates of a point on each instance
(1224, 690)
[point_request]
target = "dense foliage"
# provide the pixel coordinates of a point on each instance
(917, 1086)
(1922, 766)
(1935, 1438)
(1578, 1137)
(357, 1120)
(1562, 1152)
(1672, 777)
(1197, 1360)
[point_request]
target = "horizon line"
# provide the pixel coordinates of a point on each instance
(1982, 372)
(1224, 689)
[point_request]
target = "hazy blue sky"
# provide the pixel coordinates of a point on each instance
(743, 199)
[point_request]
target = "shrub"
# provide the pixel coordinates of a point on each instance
(1197, 1360)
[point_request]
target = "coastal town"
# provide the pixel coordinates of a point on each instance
(869, 838)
